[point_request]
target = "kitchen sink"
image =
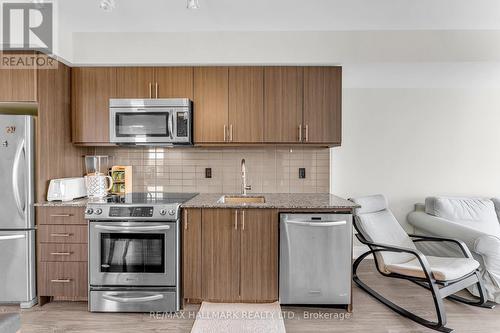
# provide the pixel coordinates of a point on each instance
(241, 199)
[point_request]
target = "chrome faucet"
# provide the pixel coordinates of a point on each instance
(244, 186)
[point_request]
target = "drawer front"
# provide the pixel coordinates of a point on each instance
(61, 215)
(63, 252)
(67, 279)
(62, 234)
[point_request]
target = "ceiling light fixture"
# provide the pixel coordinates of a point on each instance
(107, 5)
(193, 4)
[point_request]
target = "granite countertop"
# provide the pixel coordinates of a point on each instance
(274, 200)
(73, 203)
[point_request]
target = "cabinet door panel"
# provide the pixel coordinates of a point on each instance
(174, 82)
(283, 95)
(92, 87)
(210, 104)
(246, 108)
(220, 241)
(134, 82)
(322, 104)
(17, 85)
(259, 255)
(191, 253)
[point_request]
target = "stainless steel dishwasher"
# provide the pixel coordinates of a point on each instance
(315, 259)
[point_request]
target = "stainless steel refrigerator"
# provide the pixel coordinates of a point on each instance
(17, 219)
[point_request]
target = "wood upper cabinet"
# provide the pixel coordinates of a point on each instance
(246, 104)
(191, 254)
(174, 82)
(283, 97)
(259, 255)
(18, 85)
(134, 82)
(211, 104)
(220, 249)
(322, 105)
(92, 87)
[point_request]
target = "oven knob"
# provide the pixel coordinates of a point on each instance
(98, 211)
(163, 211)
(171, 212)
(89, 211)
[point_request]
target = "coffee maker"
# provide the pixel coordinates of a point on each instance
(97, 180)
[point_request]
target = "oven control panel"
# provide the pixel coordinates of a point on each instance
(117, 211)
(106, 212)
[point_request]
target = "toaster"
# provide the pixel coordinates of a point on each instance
(66, 189)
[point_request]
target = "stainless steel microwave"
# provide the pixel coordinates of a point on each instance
(165, 121)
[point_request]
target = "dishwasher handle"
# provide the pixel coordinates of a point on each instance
(319, 224)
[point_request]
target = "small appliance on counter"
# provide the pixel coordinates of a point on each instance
(66, 189)
(122, 179)
(97, 181)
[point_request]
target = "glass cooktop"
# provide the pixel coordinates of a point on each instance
(151, 198)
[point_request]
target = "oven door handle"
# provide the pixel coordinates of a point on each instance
(115, 298)
(118, 228)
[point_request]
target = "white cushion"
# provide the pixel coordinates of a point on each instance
(370, 204)
(378, 225)
(443, 269)
(476, 213)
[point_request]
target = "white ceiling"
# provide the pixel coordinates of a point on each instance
(279, 15)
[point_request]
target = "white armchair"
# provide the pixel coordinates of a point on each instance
(472, 220)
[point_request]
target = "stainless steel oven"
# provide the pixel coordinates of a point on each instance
(133, 253)
(165, 121)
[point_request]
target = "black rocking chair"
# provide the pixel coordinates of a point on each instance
(374, 215)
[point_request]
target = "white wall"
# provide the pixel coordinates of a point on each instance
(439, 137)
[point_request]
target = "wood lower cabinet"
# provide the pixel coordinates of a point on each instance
(220, 262)
(62, 234)
(191, 254)
(230, 255)
(92, 87)
(258, 255)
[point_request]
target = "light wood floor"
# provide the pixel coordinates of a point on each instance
(368, 315)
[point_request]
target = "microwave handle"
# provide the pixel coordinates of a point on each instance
(170, 124)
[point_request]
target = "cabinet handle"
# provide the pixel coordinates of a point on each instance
(60, 235)
(231, 133)
(61, 215)
(235, 220)
(150, 90)
(61, 281)
(225, 133)
(307, 133)
(243, 220)
(61, 253)
(300, 133)
(185, 220)
(156, 89)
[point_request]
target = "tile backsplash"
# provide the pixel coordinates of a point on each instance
(269, 169)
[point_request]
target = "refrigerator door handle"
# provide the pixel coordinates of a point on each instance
(15, 179)
(9, 237)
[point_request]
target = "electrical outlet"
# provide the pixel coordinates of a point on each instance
(302, 173)
(208, 172)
